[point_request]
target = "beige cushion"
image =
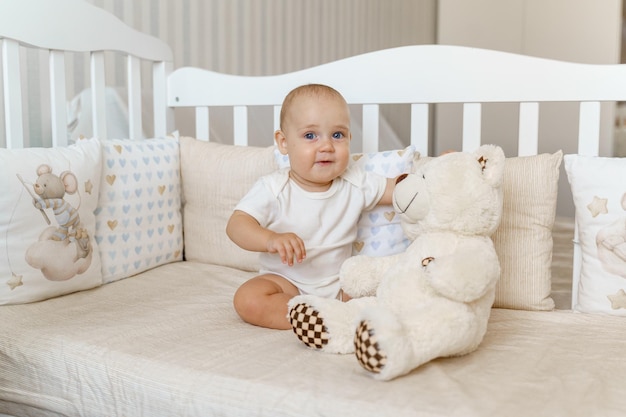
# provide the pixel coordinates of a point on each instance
(138, 218)
(524, 239)
(215, 177)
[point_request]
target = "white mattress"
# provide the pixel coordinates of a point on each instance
(168, 343)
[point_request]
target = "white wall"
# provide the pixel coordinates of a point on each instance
(265, 37)
(586, 31)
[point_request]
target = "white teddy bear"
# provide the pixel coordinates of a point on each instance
(434, 299)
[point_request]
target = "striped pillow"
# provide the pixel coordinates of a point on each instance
(523, 240)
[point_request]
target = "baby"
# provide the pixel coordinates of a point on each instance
(303, 219)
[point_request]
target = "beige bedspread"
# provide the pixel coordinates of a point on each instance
(168, 343)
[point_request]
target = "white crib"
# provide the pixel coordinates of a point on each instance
(400, 75)
(487, 77)
(419, 77)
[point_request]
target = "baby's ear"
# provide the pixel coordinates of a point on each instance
(281, 141)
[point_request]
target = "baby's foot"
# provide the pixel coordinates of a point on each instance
(308, 326)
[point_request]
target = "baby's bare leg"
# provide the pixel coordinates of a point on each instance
(262, 301)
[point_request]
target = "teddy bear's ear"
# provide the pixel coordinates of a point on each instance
(418, 162)
(491, 158)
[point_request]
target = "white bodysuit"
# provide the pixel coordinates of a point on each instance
(325, 221)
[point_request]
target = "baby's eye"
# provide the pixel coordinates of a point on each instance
(337, 135)
(309, 135)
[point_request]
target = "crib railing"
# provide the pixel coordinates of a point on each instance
(73, 35)
(431, 76)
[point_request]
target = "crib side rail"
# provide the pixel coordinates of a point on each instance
(420, 75)
(62, 27)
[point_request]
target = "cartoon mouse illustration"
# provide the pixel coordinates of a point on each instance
(50, 190)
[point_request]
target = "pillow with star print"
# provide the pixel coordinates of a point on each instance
(599, 193)
(47, 223)
(379, 232)
(138, 218)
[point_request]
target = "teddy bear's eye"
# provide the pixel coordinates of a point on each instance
(423, 176)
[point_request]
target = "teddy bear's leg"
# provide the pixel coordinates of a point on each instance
(361, 275)
(326, 324)
(389, 346)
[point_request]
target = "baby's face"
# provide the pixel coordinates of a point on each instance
(316, 136)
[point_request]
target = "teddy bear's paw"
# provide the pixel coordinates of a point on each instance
(367, 350)
(308, 326)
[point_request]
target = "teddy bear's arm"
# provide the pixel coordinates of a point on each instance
(360, 275)
(465, 275)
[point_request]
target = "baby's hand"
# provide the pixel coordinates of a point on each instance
(288, 246)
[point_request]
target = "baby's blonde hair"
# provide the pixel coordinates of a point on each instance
(307, 90)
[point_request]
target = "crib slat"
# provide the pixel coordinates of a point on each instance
(58, 101)
(589, 128)
(471, 126)
(160, 71)
(240, 125)
(419, 128)
(528, 129)
(202, 123)
(370, 127)
(135, 125)
(588, 144)
(12, 87)
(98, 102)
(277, 110)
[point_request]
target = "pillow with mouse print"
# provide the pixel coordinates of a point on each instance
(47, 222)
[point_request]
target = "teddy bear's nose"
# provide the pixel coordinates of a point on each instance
(401, 178)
